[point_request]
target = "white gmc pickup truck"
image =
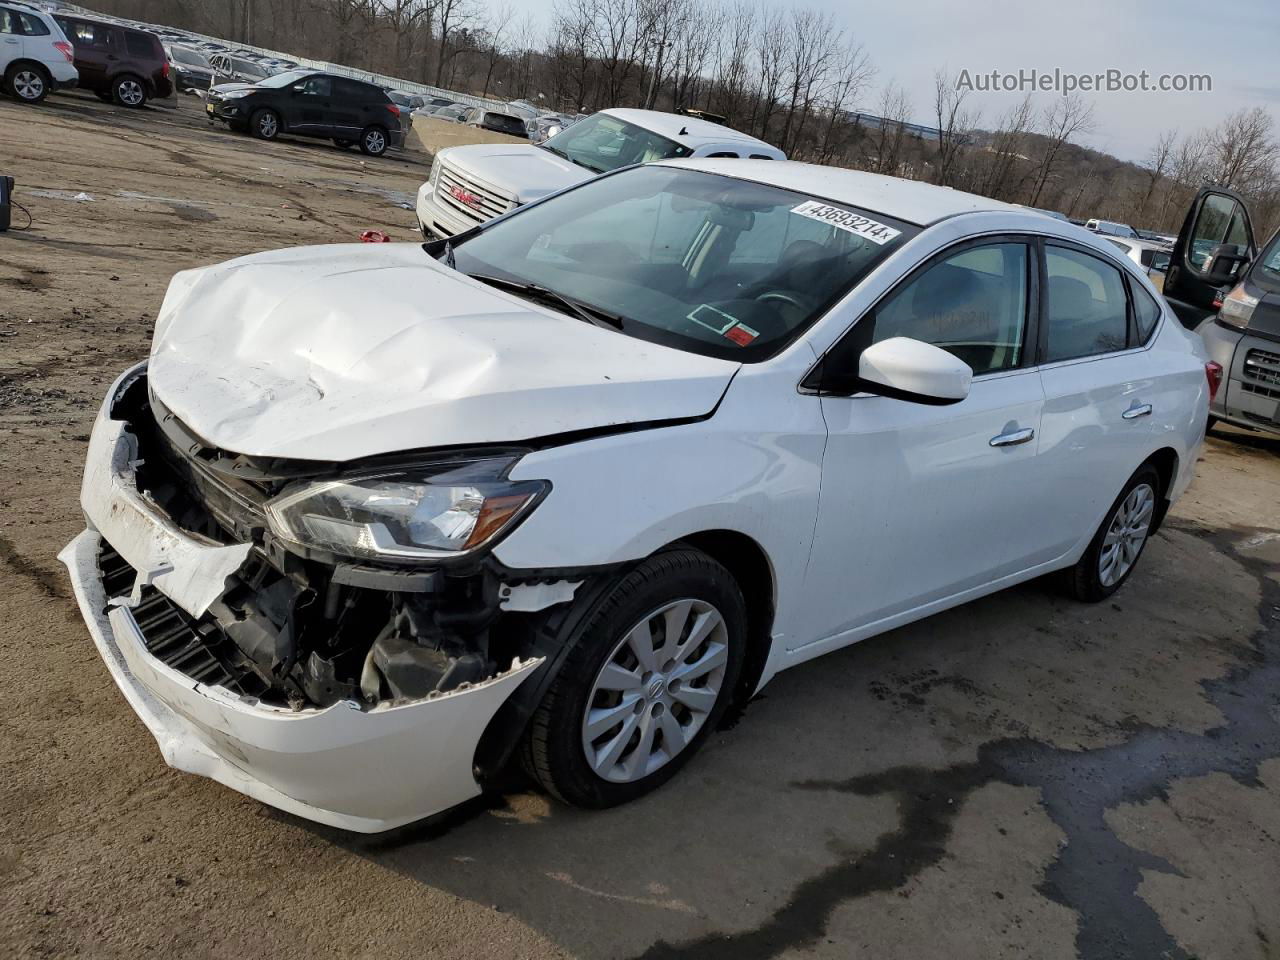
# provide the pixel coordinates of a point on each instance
(471, 184)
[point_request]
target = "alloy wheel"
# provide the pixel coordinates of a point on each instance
(655, 690)
(28, 85)
(375, 142)
(268, 125)
(1126, 534)
(130, 92)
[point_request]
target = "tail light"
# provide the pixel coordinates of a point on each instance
(164, 69)
(395, 111)
(1213, 373)
(66, 50)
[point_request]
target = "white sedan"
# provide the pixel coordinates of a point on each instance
(372, 521)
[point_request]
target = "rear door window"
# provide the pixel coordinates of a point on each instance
(32, 26)
(139, 45)
(1086, 306)
(1146, 312)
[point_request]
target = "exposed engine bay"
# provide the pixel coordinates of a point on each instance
(310, 630)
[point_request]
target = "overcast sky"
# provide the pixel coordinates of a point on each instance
(1236, 43)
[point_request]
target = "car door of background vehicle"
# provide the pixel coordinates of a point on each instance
(94, 51)
(922, 503)
(311, 105)
(11, 43)
(1098, 404)
(347, 105)
(1217, 216)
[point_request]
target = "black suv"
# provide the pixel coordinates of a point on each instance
(310, 104)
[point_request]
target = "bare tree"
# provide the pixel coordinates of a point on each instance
(851, 75)
(1158, 162)
(1066, 118)
(1005, 150)
(890, 135)
(954, 124)
(1241, 151)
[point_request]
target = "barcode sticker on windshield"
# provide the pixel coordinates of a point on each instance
(847, 220)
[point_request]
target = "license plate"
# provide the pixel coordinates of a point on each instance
(208, 108)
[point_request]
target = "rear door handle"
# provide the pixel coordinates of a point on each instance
(1140, 410)
(1014, 438)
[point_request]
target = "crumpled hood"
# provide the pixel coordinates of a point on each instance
(529, 173)
(347, 351)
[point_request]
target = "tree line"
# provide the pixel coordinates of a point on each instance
(791, 76)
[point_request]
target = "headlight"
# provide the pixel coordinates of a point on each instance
(236, 94)
(437, 511)
(434, 175)
(1237, 308)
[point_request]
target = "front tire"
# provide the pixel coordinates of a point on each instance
(1114, 550)
(373, 141)
(648, 678)
(129, 91)
(27, 83)
(264, 124)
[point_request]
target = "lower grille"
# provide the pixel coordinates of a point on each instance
(485, 203)
(195, 648)
(1263, 366)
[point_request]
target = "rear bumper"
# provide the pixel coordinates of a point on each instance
(358, 769)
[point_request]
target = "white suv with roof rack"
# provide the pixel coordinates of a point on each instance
(471, 184)
(35, 56)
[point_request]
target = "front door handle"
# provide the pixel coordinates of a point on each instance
(1139, 410)
(1014, 438)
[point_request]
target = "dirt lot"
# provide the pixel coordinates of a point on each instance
(1022, 777)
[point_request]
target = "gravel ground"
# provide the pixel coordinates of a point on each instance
(1021, 777)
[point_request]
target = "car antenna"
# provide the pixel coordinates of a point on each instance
(684, 132)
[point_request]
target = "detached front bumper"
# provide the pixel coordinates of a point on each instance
(364, 770)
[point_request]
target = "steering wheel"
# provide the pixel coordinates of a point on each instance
(780, 295)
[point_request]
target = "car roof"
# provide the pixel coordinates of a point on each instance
(696, 130)
(909, 200)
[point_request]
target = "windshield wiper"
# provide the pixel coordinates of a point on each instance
(583, 311)
(574, 160)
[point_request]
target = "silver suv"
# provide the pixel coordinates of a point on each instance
(35, 55)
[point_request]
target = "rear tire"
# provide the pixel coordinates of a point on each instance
(265, 124)
(631, 705)
(373, 141)
(27, 82)
(129, 91)
(1115, 549)
(1213, 422)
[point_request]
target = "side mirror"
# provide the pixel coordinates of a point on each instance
(914, 371)
(1225, 261)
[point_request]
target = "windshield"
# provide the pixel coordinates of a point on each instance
(284, 79)
(1267, 273)
(603, 142)
(699, 261)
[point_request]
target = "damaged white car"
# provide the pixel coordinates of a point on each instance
(373, 521)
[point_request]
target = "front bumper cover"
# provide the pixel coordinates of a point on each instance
(364, 770)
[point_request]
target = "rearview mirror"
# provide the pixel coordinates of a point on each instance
(915, 371)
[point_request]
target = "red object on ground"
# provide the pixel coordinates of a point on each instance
(374, 236)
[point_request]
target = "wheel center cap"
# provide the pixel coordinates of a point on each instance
(657, 687)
